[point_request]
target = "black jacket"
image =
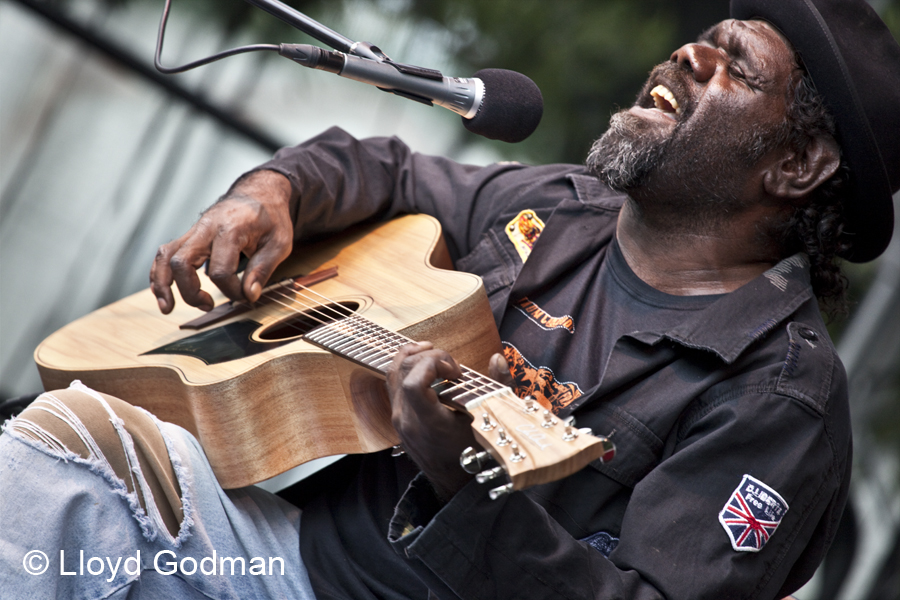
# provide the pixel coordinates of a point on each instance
(747, 392)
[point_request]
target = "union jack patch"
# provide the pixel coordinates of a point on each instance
(752, 514)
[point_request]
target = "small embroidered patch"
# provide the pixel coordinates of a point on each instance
(523, 232)
(776, 274)
(542, 319)
(752, 514)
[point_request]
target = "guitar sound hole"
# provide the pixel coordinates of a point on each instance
(302, 323)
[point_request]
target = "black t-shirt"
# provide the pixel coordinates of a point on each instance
(557, 343)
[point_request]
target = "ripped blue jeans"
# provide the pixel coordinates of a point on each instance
(70, 527)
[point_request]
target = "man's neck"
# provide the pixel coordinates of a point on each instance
(689, 263)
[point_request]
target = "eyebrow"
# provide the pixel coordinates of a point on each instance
(737, 48)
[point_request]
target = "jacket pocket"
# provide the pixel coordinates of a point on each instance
(638, 450)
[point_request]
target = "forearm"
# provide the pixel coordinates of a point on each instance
(335, 181)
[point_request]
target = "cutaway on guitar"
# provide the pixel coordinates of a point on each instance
(255, 385)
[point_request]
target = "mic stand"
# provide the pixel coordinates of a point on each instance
(297, 19)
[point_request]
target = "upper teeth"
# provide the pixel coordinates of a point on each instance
(660, 93)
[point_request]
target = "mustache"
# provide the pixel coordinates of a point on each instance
(675, 78)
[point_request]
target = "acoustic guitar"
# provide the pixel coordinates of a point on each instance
(299, 374)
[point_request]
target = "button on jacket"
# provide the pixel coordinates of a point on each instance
(742, 404)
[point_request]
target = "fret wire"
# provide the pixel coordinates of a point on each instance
(483, 383)
(368, 354)
(350, 343)
(382, 362)
(383, 342)
(372, 342)
(326, 335)
(371, 328)
(349, 328)
(354, 325)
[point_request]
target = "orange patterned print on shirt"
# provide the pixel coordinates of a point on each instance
(539, 382)
(523, 231)
(542, 319)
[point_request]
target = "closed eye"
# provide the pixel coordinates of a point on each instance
(737, 72)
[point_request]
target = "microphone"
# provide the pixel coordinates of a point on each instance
(495, 103)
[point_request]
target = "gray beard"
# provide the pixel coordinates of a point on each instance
(625, 156)
(688, 181)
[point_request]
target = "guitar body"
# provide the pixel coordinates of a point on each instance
(258, 398)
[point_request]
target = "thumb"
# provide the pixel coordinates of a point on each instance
(260, 267)
(498, 369)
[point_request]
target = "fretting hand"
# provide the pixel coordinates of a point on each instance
(433, 435)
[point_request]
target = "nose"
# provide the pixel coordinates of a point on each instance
(700, 60)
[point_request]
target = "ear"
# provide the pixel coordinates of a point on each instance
(795, 174)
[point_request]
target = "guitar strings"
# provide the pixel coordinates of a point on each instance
(471, 382)
(352, 331)
(341, 322)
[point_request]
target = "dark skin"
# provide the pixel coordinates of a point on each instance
(738, 73)
(739, 69)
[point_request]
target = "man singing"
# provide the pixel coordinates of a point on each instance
(665, 295)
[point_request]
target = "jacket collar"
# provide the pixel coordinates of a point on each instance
(736, 320)
(726, 328)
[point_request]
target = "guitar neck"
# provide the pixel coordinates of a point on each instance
(374, 347)
(531, 445)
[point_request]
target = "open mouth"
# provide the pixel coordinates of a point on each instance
(665, 100)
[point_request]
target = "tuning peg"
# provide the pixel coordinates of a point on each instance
(530, 404)
(502, 438)
(570, 434)
(549, 421)
(490, 474)
(585, 431)
(486, 423)
(516, 455)
(473, 461)
(501, 491)
(397, 451)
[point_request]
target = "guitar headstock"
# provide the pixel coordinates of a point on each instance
(531, 445)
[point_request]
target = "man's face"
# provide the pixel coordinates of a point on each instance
(689, 145)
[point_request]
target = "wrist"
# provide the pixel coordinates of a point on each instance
(264, 185)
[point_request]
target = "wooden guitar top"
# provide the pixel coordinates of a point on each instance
(259, 399)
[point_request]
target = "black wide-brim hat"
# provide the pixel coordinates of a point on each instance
(854, 62)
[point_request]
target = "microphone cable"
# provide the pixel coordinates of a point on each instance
(157, 59)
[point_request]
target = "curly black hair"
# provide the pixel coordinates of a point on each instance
(817, 227)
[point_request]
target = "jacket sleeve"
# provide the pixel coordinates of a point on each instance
(672, 543)
(338, 181)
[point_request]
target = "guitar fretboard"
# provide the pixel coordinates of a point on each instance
(372, 346)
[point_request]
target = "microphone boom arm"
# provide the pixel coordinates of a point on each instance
(313, 28)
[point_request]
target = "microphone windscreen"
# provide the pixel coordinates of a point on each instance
(511, 108)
